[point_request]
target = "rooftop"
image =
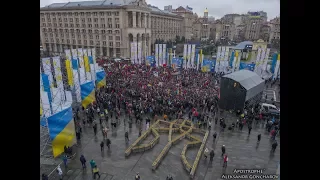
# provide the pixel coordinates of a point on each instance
(243, 44)
(246, 78)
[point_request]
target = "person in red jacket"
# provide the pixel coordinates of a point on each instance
(225, 161)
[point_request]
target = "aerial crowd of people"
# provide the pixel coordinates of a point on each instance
(141, 94)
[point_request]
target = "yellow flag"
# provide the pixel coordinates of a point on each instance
(86, 64)
(69, 72)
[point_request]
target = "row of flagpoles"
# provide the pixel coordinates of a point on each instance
(83, 75)
(227, 60)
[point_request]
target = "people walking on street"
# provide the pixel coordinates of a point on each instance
(83, 162)
(214, 136)
(249, 127)
(92, 165)
(108, 143)
(59, 171)
(225, 161)
(126, 135)
(259, 138)
(274, 146)
(211, 155)
(206, 153)
(65, 161)
(95, 128)
(223, 150)
(44, 177)
(169, 177)
(102, 145)
(95, 171)
(137, 177)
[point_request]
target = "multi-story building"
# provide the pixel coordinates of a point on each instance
(188, 19)
(202, 27)
(109, 26)
(253, 28)
(274, 29)
(224, 31)
(265, 32)
(165, 25)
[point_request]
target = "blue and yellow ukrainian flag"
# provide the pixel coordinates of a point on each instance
(61, 130)
(101, 79)
(87, 93)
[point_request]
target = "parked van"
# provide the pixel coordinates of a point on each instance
(270, 109)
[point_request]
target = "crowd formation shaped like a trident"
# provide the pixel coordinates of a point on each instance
(185, 128)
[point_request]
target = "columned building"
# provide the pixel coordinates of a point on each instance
(108, 26)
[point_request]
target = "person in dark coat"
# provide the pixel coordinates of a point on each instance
(108, 143)
(223, 149)
(102, 145)
(211, 155)
(83, 162)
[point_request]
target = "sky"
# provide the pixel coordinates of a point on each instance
(216, 8)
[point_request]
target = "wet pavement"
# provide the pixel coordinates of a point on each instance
(242, 150)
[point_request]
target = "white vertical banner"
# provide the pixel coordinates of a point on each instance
(74, 54)
(234, 62)
(160, 55)
(132, 52)
(135, 44)
(82, 75)
(45, 103)
(85, 56)
(47, 70)
(58, 76)
(94, 55)
(76, 82)
(193, 51)
(265, 60)
(139, 52)
(157, 54)
(198, 62)
(68, 54)
(164, 54)
(256, 69)
(238, 62)
(92, 66)
(189, 56)
(276, 70)
(82, 72)
(185, 51)
(216, 69)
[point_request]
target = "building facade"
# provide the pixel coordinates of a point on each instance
(188, 19)
(108, 26)
(274, 29)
